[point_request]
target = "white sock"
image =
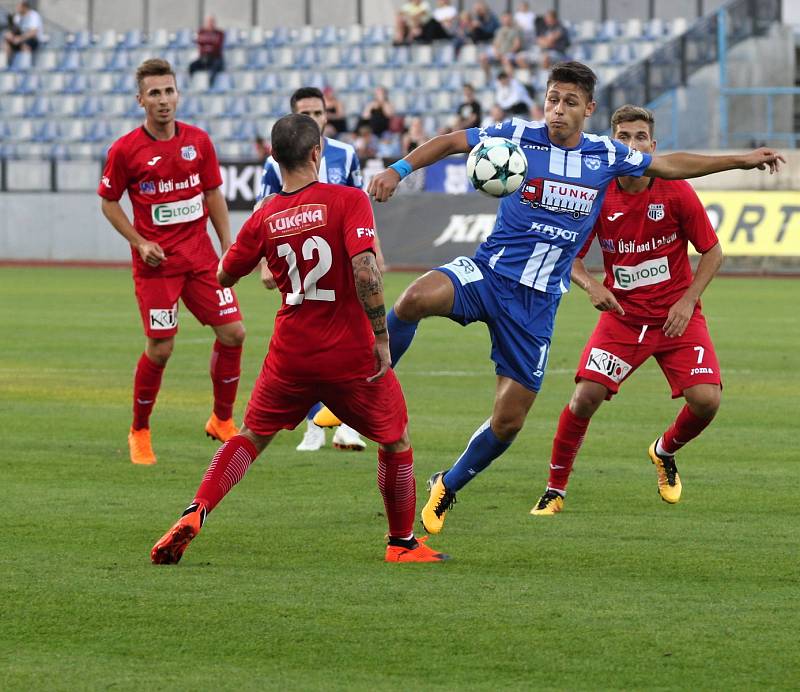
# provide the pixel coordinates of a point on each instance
(660, 450)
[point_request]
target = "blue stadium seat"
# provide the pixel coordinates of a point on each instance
(268, 83)
(610, 30)
(119, 61)
(132, 39)
(246, 130)
(190, 107)
(328, 36)
(159, 39)
(353, 56)
(90, 106)
(183, 38)
(655, 29)
(236, 107)
(47, 131)
(69, 61)
(279, 36)
(234, 38)
(305, 56)
(40, 107)
(79, 40)
(377, 34)
(29, 83)
(223, 83)
(99, 130)
(258, 58)
(400, 56)
(124, 83)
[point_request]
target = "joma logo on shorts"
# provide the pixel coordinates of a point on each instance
(298, 219)
(701, 371)
(644, 274)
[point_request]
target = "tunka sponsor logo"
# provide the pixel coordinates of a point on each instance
(298, 219)
(556, 196)
(177, 212)
(645, 274)
(607, 364)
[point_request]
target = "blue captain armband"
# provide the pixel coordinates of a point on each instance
(402, 168)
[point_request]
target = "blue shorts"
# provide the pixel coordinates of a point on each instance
(520, 319)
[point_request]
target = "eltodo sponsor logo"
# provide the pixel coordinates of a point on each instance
(655, 212)
(162, 318)
(188, 153)
(607, 364)
(645, 274)
(177, 212)
(298, 219)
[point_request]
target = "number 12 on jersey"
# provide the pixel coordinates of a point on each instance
(305, 288)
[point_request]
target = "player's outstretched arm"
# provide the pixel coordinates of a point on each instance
(681, 165)
(150, 252)
(383, 185)
(600, 297)
(369, 288)
(681, 312)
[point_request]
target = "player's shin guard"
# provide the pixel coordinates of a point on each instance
(482, 450)
(227, 468)
(146, 383)
(568, 440)
(225, 371)
(397, 486)
(401, 334)
(684, 429)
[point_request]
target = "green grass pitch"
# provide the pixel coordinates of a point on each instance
(285, 589)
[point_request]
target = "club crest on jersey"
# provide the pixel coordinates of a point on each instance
(335, 176)
(592, 162)
(188, 153)
(558, 196)
(655, 212)
(297, 219)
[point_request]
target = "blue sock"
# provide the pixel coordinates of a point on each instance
(401, 334)
(482, 450)
(313, 411)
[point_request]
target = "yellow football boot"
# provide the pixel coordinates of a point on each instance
(435, 510)
(669, 482)
(140, 447)
(326, 419)
(549, 504)
(222, 430)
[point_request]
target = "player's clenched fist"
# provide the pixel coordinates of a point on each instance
(383, 185)
(764, 158)
(151, 253)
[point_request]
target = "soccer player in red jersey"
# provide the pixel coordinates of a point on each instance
(651, 307)
(329, 344)
(172, 177)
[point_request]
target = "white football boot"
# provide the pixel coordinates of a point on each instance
(313, 439)
(347, 438)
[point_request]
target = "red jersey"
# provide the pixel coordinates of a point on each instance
(309, 237)
(165, 181)
(644, 238)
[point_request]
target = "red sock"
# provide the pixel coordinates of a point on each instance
(686, 427)
(396, 483)
(227, 468)
(225, 371)
(566, 443)
(146, 383)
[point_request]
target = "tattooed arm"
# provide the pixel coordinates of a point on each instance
(369, 287)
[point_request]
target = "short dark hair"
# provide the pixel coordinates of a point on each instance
(305, 93)
(574, 72)
(293, 138)
(630, 113)
(154, 67)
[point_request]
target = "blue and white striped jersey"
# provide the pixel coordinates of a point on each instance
(542, 226)
(339, 166)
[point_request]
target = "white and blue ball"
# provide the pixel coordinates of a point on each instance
(496, 166)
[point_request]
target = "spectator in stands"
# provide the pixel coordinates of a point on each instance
(525, 19)
(512, 96)
(413, 136)
(469, 111)
(462, 28)
(445, 15)
(210, 42)
(552, 42)
(365, 142)
(507, 43)
(24, 32)
(484, 23)
(410, 20)
(378, 112)
(496, 115)
(337, 119)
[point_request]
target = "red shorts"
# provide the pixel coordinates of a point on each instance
(376, 409)
(201, 294)
(616, 348)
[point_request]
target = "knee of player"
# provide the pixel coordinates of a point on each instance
(410, 304)
(232, 335)
(160, 351)
(507, 427)
(704, 404)
(585, 402)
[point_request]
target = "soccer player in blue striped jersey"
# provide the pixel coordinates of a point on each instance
(339, 166)
(516, 278)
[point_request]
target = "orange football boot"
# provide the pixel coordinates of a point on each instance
(222, 430)
(140, 447)
(170, 547)
(420, 553)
